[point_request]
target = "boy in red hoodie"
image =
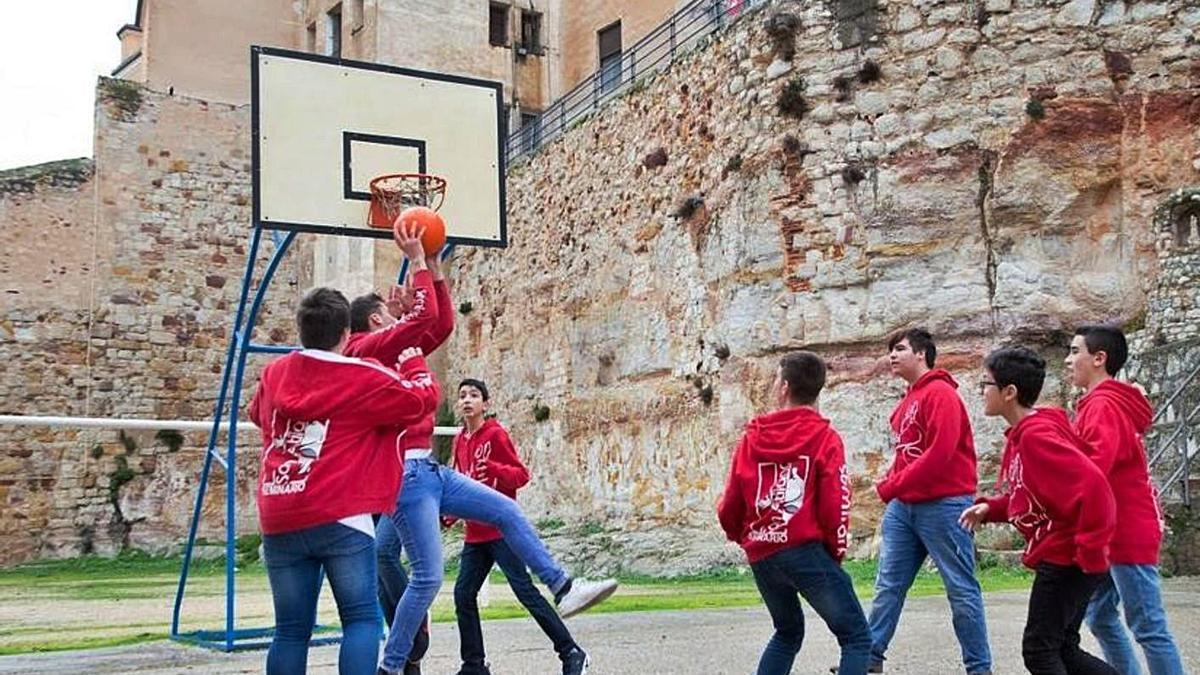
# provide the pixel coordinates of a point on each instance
(1112, 418)
(1059, 501)
(330, 426)
(931, 480)
(419, 314)
(787, 504)
(484, 452)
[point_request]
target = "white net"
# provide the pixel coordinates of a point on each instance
(396, 192)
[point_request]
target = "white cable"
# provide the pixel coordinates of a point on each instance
(136, 424)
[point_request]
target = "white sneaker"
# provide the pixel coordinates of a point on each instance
(584, 595)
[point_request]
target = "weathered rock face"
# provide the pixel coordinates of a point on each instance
(996, 182)
(988, 169)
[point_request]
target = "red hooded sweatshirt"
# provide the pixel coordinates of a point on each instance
(787, 486)
(426, 325)
(489, 457)
(1054, 495)
(331, 426)
(1113, 419)
(935, 453)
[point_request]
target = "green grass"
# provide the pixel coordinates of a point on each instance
(146, 585)
(79, 643)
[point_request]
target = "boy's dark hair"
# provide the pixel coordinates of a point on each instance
(804, 373)
(1107, 339)
(1020, 367)
(478, 384)
(919, 339)
(323, 317)
(361, 310)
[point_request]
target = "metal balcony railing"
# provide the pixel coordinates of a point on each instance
(678, 35)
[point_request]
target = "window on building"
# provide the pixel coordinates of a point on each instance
(333, 32)
(531, 32)
(357, 15)
(498, 25)
(310, 38)
(609, 46)
(531, 130)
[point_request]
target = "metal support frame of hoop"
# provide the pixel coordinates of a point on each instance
(231, 638)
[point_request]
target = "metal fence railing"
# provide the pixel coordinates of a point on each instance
(678, 35)
(1173, 441)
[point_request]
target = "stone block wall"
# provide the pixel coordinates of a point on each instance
(120, 286)
(989, 170)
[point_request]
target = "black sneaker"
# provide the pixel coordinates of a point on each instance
(412, 668)
(474, 669)
(575, 662)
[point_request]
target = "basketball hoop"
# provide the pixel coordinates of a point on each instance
(392, 193)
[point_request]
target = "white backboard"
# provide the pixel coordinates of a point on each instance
(323, 128)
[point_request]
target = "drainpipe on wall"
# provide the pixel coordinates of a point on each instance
(514, 113)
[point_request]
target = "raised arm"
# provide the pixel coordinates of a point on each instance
(443, 325)
(402, 396)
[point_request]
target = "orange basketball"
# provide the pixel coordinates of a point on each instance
(416, 217)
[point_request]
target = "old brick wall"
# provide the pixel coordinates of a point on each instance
(120, 290)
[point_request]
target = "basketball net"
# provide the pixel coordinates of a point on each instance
(392, 193)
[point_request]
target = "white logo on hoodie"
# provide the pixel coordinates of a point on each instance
(780, 496)
(300, 441)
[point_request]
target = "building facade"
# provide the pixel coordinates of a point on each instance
(539, 49)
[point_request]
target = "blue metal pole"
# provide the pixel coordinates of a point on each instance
(403, 271)
(213, 434)
(231, 456)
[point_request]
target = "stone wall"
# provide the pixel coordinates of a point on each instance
(989, 170)
(1165, 356)
(120, 291)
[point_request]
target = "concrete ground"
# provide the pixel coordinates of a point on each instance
(706, 641)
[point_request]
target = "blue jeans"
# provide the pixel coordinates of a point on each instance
(392, 578)
(476, 564)
(429, 490)
(910, 533)
(809, 570)
(294, 562)
(1137, 587)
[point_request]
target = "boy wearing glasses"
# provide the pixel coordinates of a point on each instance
(1059, 501)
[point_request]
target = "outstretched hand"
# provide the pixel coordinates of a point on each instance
(973, 516)
(408, 238)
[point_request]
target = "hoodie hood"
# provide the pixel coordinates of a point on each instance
(488, 423)
(935, 375)
(1125, 397)
(1042, 417)
(783, 435)
(1052, 420)
(303, 394)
